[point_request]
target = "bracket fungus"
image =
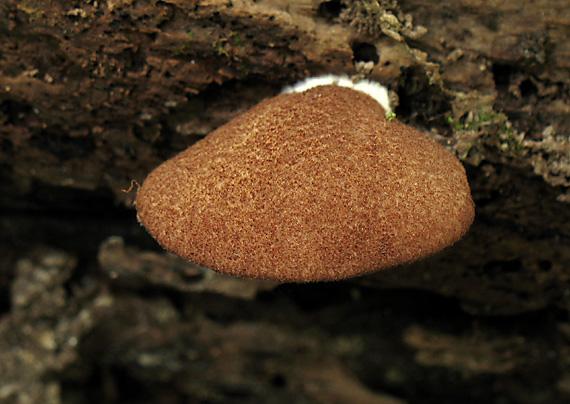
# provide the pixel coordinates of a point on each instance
(314, 184)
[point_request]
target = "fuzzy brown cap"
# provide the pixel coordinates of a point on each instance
(307, 187)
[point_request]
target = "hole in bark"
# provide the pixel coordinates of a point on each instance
(421, 102)
(545, 265)
(502, 75)
(330, 9)
(528, 88)
(279, 381)
(364, 52)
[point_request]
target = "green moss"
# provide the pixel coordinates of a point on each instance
(182, 50)
(237, 40)
(455, 124)
(481, 119)
(219, 49)
(488, 128)
(185, 48)
(230, 48)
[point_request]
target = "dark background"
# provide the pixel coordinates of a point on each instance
(94, 94)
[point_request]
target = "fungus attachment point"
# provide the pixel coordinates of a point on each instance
(314, 184)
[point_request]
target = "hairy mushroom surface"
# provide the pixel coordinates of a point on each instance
(308, 186)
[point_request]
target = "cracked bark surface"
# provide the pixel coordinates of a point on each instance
(94, 94)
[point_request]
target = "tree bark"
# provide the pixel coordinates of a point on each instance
(95, 94)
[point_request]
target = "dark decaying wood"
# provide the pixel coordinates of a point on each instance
(95, 94)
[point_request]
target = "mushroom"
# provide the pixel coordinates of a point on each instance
(315, 184)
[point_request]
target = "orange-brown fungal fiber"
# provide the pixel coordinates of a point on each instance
(305, 187)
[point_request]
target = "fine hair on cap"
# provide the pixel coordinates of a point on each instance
(313, 184)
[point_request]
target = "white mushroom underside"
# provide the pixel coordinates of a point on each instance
(372, 88)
